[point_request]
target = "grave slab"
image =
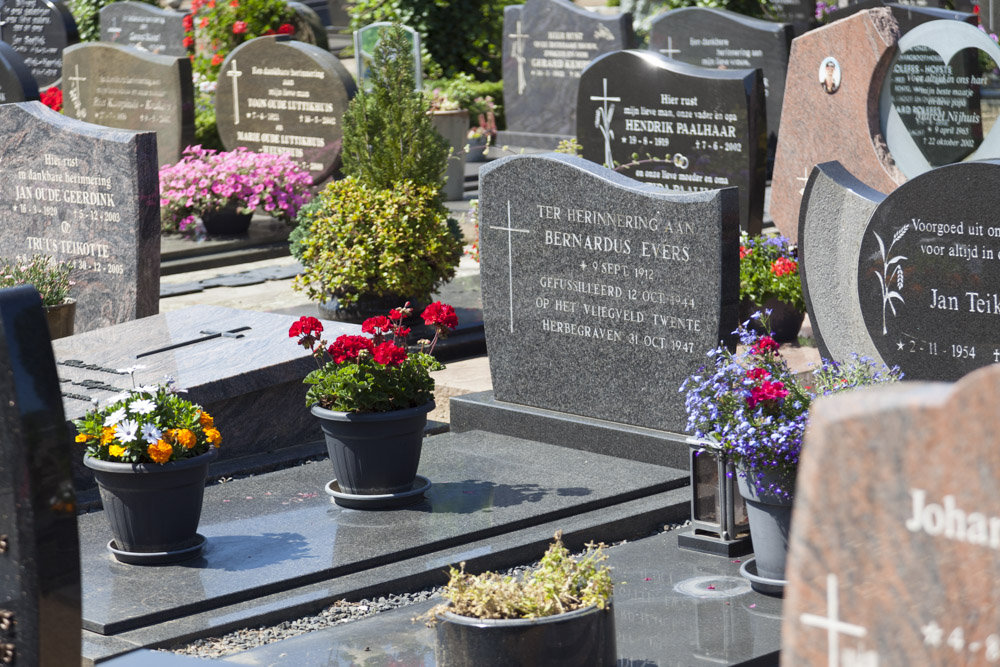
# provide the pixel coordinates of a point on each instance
(666, 614)
(894, 541)
(843, 125)
(144, 27)
(280, 531)
(17, 84)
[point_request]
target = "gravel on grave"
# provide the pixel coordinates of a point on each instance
(340, 612)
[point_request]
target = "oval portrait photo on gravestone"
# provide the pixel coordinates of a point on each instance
(829, 74)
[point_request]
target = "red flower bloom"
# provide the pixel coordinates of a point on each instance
(196, 5)
(767, 391)
(52, 98)
(377, 326)
(268, 33)
(217, 60)
(347, 348)
(396, 314)
(203, 23)
(210, 4)
(744, 252)
(783, 265)
(764, 345)
(758, 374)
(390, 354)
(286, 29)
(306, 326)
(401, 331)
(188, 20)
(188, 42)
(234, 3)
(440, 314)
(239, 27)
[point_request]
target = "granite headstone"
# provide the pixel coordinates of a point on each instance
(895, 539)
(831, 109)
(16, 81)
(546, 46)
(39, 30)
(145, 27)
(365, 41)
(39, 549)
(277, 95)
(721, 39)
(678, 126)
(308, 25)
(591, 280)
(931, 107)
(87, 195)
(122, 87)
(908, 16)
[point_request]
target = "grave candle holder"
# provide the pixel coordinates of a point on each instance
(719, 522)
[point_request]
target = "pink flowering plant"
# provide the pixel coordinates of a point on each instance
(206, 181)
(373, 372)
(749, 403)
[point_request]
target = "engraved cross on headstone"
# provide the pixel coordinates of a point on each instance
(670, 50)
(115, 29)
(510, 229)
(75, 93)
(206, 335)
(235, 74)
(517, 51)
(833, 625)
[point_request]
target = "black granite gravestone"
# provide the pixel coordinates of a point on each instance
(678, 126)
(278, 95)
(87, 195)
(39, 30)
(119, 86)
(602, 294)
(721, 39)
(985, 10)
(546, 45)
(16, 82)
(39, 550)
(145, 27)
(308, 25)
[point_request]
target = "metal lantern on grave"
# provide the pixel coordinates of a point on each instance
(719, 523)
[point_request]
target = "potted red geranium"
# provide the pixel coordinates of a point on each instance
(372, 397)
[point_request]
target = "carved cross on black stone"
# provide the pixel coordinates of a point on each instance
(207, 335)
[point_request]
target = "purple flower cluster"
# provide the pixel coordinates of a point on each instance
(206, 180)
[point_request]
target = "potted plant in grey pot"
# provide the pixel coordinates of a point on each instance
(558, 614)
(769, 278)
(51, 280)
(750, 405)
(372, 397)
(150, 449)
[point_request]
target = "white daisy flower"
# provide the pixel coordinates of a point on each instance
(115, 417)
(151, 434)
(129, 427)
(143, 406)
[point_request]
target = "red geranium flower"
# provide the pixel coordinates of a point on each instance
(377, 326)
(758, 374)
(401, 331)
(765, 344)
(744, 252)
(767, 391)
(188, 20)
(52, 98)
(305, 326)
(396, 314)
(390, 354)
(783, 265)
(268, 33)
(440, 314)
(286, 29)
(347, 348)
(234, 3)
(188, 42)
(217, 60)
(239, 27)
(203, 23)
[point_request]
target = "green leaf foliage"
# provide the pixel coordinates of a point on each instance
(469, 94)
(364, 385)
(759, 273)
(87, 14)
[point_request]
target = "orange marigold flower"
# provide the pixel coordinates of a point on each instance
(160, 451)
(116, 450)
(186, 438)
(107, 434)
(213, 436)
(83, 437)
(206, 420)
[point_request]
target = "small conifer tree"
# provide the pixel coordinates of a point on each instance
(388, 136)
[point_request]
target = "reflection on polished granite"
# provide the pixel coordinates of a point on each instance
(279, 531)
(675, 607)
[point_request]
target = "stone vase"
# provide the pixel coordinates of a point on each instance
(770, 518)
(785, 319)
(581, 638)
(374, 453)
(454, 127)
(477, 150)
(61, 318)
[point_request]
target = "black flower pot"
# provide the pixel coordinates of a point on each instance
(226, 222)
(151, 507)
(368, 305)
(785, 320)
(374, 453)
(581, 638)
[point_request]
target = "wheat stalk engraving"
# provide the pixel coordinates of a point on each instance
(892, 271)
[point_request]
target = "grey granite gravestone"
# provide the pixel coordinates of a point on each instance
(39, 550)
(592, 281)
(278, 95)
(39, 30)
(308, 25)
(546, 45)
(930, 107)
(721, 39)
(16, 82)
(908, 16)
(145, 27)
(122, 87)
(678, 126)
(87, 195)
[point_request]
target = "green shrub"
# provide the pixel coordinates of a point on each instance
(222, 25)
(468, 92)
(458, 36)
(388, 136)
(87, 14)
(356, 239)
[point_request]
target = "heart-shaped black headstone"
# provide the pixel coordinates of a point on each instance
(938, 102)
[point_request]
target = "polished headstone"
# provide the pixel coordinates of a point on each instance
(39, 551)
(87, 195)
(122, 87)
(39, 30)
(308, 26)
(591, 279)
(278, 95)
(721, 39)
(16, 81)
(931, 111)
(144, 27)
(819, 126)
(546, 45)
(677, 126)
(895, 540)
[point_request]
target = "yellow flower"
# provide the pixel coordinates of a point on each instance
(83, 437)
(213, 436)
(116, 450)
(186, 438)
(107, 435)
(160, 451)
(206, 420)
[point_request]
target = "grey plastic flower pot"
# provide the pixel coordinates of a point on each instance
(581, 638)
(374, 452)
(152, 507)
(770, 519)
